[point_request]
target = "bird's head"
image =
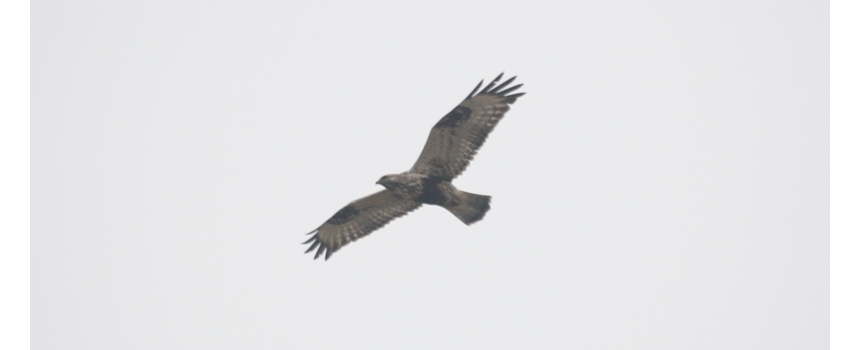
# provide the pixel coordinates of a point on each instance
(385, 181)
(391, 181)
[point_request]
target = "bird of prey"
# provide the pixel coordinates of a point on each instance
(452, 144)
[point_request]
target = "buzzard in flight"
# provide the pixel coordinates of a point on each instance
(453, 142)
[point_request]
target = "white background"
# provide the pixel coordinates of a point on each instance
(663, 184)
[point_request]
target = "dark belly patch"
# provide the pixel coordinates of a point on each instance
(433, 193)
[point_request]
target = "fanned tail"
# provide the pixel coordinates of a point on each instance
(471, 207)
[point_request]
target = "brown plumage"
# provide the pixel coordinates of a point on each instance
(452, 144)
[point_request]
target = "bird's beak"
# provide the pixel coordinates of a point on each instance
(378, 182)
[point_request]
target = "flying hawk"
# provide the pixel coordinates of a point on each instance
(453, 142)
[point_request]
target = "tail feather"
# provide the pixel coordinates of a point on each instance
(471, 207)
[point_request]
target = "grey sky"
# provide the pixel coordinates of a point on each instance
(663, 184)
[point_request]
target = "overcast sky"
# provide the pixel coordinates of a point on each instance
(662, 185)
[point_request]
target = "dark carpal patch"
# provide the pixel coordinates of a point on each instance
(347, 213)
(456, 117)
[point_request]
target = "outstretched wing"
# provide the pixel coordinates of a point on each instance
(456, 138)
(358, 219)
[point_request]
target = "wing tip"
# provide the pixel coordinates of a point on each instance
(491, 84)
(513, 98)
(310, 240)
(502, 85)
(316, 243)
(471, 94)
(493, 89)
(319, 252)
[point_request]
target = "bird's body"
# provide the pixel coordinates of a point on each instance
(421, 188)
(453, 142)
(439, 191)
